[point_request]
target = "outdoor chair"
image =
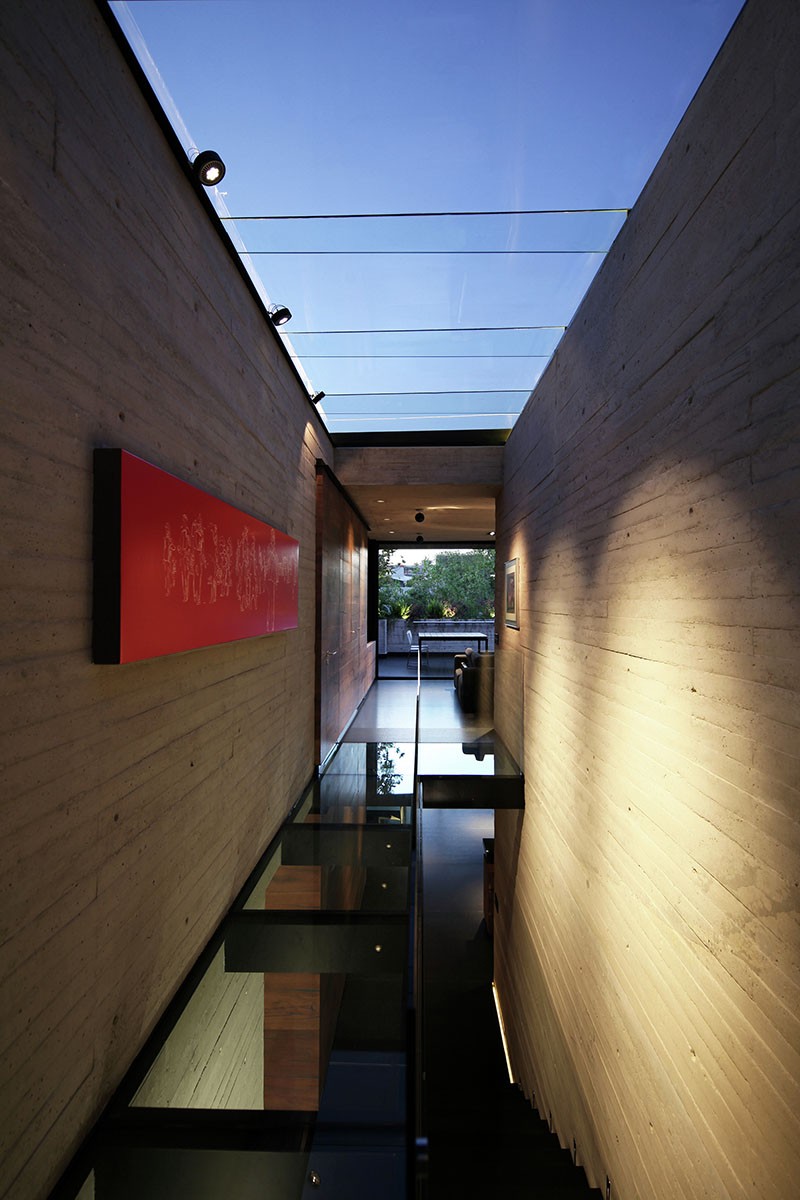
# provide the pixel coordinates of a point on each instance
(412, 651)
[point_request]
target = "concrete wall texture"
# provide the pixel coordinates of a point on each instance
(647, 942)
(647, 939)
(135, 798)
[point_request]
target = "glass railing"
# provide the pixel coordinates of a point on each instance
(289, 1060)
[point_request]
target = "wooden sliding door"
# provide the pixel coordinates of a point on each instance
(345, 659)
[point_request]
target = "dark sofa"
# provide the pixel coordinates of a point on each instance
(473, 679)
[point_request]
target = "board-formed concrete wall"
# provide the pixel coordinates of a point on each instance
(135, 799)
(647, 940)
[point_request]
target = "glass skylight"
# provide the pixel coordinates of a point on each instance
(336, 112)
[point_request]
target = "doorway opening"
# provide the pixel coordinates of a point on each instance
(433, 604)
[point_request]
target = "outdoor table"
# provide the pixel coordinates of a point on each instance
(465, 638)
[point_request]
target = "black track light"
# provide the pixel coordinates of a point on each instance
(279, 314)
(209, 168)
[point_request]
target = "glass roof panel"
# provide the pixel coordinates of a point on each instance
(480, 116)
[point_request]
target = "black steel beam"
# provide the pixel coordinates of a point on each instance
(346, 845)
(472, 791)
(337, 943)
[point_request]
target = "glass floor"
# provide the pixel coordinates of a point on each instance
(288, 1061)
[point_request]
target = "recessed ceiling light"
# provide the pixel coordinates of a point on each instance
(380, 501)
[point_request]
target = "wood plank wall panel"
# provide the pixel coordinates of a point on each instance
(647, 940)
(135, 799)
(292, 1002)
(301, 1008)
(214, 1057)
(346, 658)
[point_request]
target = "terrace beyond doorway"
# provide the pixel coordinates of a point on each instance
(442, 596)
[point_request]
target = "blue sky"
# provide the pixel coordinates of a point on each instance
(457, 104)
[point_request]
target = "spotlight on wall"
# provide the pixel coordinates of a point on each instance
(208, 167)
(420, 516)
(318, 397)
(279, 314)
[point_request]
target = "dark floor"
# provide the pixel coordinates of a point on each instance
(404, 666)
(485, 1139)
(388, 714)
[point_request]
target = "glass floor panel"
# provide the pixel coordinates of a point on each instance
(289, 1054)
(485, 756)
(302, 1008)
(475, 774)
(291, 1040)
(387, 767)
(144, 1172)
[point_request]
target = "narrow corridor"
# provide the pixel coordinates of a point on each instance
(485, 1140)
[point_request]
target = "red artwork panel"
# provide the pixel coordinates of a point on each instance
(176, 569)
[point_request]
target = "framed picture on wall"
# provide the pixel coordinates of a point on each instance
(512, 594)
